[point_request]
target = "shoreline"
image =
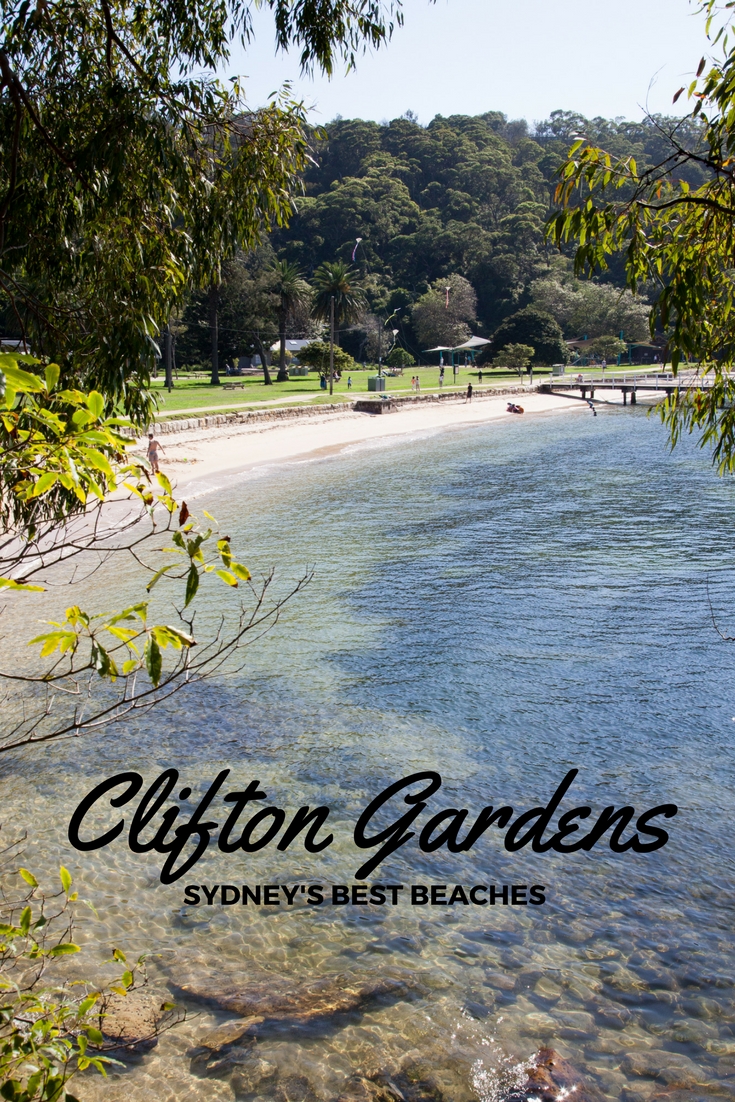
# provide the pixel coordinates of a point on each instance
(193, 457)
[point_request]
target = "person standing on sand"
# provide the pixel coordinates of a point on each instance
(469, 394)
(153, 449)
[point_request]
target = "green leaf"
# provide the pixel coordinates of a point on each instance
(168, 636)
(95, 403)
(8, 583)
(21, 380)
(28, 877)
(192, 585)
(157, 575)
(100, 463)
(86, 1004)
(153, 660)
(45, 482)
(65, 876)
(226, 576)
(52, 376)
(63, 949)
(64, 640)
(25, 920)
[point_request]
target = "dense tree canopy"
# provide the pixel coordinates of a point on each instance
(464, 196)
(669, 224)
(587, 309)
(128, 174)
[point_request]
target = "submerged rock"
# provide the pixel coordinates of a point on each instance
(252, 1076)
(653, 1063)
(612, 1015)
(132, 1020)
(551, 1078)
(264, 1003)
(413, 1083)
(281, 998)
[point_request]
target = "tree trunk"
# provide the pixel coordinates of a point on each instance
(331, 344)
(282, 376)
(214, 331)
(168, 358)
(267, 381)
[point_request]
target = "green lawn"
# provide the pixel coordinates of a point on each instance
(195, 395)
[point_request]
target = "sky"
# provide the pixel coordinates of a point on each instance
(523, 57)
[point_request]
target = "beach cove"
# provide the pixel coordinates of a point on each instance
(197, 454)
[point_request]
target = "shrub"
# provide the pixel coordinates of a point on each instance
(399, 357)
(607, 348)
(316, 355)
(518, 356)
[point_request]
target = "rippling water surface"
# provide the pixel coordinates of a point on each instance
(500, 604)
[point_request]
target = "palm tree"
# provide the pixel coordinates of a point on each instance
(338, 297)
(293, 291)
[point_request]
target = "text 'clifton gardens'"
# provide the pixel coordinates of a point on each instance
(383, 826)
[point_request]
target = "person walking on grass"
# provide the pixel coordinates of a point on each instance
(469, 394)
(153, 449)
(349, 382)
(418, 385)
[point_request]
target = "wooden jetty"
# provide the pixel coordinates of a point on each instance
(659, 383)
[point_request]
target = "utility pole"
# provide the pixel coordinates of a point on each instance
(168, 358)
(331, 343)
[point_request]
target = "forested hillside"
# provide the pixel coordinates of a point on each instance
(450, 219)
(463, 196)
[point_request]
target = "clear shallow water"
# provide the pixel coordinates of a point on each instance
(500, 604)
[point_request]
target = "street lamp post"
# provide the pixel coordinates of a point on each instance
(381, 327)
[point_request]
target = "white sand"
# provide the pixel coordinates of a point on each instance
(198, 458)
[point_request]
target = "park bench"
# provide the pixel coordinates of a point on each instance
(234, 386)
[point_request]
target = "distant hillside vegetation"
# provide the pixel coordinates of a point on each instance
(463, 196)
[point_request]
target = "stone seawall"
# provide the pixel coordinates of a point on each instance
(290, 413)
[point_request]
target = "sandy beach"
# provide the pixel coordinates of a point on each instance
(197, 459)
